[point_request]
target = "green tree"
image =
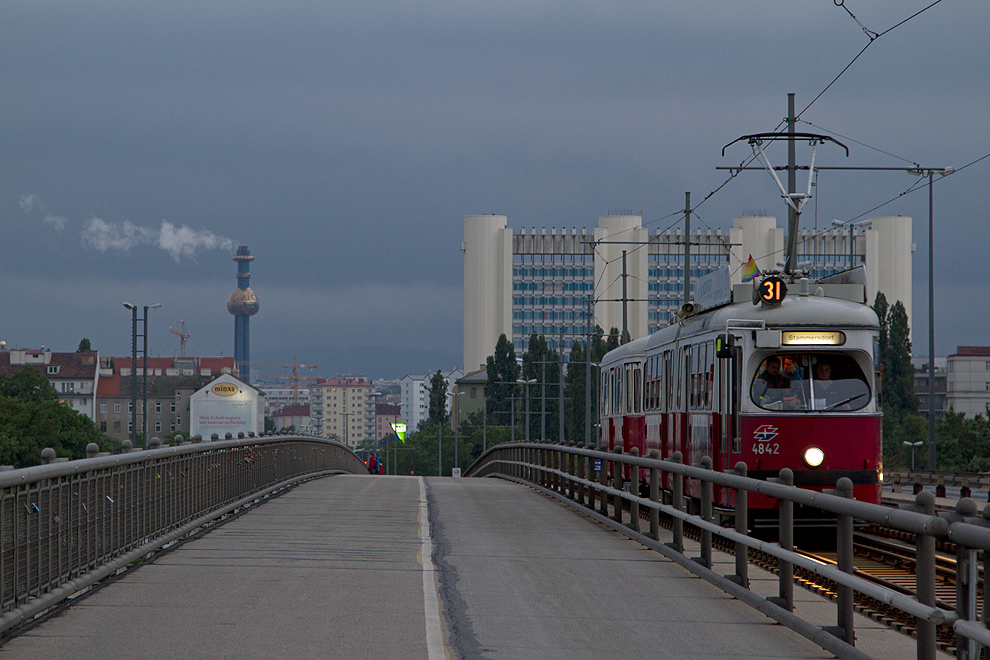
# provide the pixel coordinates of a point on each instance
(32, 418)
(901, 422)
(502, 372)
(575, 382)
(438, 399)
(964, 442)
(613, 341)
(881, 308)
(898, 369)
(84, 346)
(542, 364)
(418, 455)
(27, 385)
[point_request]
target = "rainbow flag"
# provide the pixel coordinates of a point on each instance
(750, 270)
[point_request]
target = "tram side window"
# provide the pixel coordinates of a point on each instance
(628, 392)
(668, 379)
(709, 373)
(607, 408)
(660, 390)
(702, 373)
(810, 382)
(653, 383)
(638, 389)
(617, 391)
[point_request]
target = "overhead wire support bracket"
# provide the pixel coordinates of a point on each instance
(795, 200)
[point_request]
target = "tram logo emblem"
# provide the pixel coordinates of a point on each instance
(765, 433)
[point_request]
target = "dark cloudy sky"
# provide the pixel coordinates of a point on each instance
(343, 142)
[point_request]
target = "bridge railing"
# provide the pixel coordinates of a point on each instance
(592, 481)
(66, 525)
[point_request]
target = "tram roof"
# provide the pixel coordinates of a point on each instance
(795, 312)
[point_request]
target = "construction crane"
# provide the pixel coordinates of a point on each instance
(295, 378)
(183, 336)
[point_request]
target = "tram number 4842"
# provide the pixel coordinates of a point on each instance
(764, 448)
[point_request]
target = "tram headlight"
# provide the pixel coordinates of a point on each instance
(813, 457)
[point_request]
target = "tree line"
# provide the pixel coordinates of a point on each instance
(505, 415)
(962, 443)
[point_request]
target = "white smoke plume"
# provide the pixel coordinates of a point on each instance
(178, 242)
(185, 242)
(28, 204)
(56, 221)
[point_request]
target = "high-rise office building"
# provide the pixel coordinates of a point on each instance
(540, 281)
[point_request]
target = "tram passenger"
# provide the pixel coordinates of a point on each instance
(771, 386)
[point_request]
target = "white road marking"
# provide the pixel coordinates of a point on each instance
(431, 599)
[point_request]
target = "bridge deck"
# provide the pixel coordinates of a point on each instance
(332, 569)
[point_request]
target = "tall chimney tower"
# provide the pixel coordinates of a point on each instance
(243, 304)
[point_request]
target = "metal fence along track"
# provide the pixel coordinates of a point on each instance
(569, 473)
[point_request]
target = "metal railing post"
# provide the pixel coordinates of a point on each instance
(634, 489)
(582, 464)
(617, 469)
(786, 541)
(844, 628)
(967, 584)
(654, 497)
(742, 524)
(925, 589)
(603, 480)
(707, 515)
(678, 503)
(574, 461)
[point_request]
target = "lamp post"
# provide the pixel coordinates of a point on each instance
(144, 394)
(527, 383)
(345, 415)
(455, 418)
(912, 445)
(930, 172)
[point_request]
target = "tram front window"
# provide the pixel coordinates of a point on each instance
(810, 382)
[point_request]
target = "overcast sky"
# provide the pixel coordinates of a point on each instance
(344, 142)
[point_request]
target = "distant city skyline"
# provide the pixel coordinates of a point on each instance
(344, 143)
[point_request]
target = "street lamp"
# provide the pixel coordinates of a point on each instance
(912, 445)
(144, 395)
(930, 173)
(527, 383)
(345, 415)
(453, 406)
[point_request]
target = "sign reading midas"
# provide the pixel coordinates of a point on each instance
(224, 389)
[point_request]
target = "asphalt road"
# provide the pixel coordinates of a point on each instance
(343, 567)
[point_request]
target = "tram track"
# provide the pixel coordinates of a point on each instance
(890, 564)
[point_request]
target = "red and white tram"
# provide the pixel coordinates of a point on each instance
(789, 381)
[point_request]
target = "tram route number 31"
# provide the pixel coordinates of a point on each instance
(772, 290)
